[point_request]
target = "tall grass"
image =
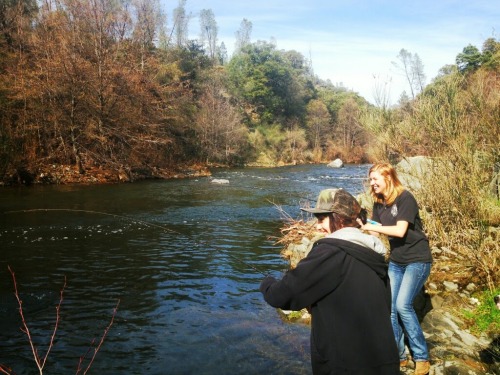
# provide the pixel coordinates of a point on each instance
(456, 123)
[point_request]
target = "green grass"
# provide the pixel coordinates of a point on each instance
(485, 318)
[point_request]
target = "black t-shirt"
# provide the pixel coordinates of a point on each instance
(414, 246)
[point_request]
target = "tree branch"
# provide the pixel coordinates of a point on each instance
(96, 349)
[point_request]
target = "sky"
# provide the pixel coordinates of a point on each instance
(355, 42)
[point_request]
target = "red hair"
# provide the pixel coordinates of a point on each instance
(394, 185)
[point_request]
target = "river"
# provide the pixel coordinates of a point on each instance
(182, 259)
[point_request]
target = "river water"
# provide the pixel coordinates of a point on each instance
(182, 259)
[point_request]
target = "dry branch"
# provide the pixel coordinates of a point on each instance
(38, 359)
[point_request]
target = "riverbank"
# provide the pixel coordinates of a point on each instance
(57, 174)
(70, 174)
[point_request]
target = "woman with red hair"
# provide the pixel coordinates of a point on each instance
(396, 209)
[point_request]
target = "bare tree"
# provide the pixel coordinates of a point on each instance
(317, 120)
(222, 54)
(243, 35)
(349, 130)
(180, 26)
(418, 72)
(209, 31)
(148, 19)
(412, 68)
(381, 91)
(404, 66)
(220, 133)
(41, 360)
(295, 142)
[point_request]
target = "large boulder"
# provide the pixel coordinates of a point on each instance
(411, 171)
(337, 163)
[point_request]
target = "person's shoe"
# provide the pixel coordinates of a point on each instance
(422, 367)
(403, 363)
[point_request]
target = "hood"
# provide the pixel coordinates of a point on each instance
(355, 235)
(369, 257)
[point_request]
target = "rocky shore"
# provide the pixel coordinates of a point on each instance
(70, 174)
(454, 350)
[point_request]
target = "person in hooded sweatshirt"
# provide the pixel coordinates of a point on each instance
(343, 282)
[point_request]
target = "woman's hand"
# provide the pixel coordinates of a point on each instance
(369, 227)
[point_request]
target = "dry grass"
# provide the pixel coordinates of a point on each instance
(461, 218)
(455, 122)
(293, 232)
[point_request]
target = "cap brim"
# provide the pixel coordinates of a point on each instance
(316, 211)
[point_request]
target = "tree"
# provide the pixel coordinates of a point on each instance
(221, 135)
(147, 23)
(404, 65)
(404, 99)
(295, 143)
(446, 70)
(491, 53)
(491, 45)
(222, 54)
(192, 60)
(16, 20)
(469, 60)
(381, 91)
(418, 73)
(318, 123)
(209, 31)
(413, 70)
(243, 35)
(265, 79)
(93, 91)
(349, 131)
(180, 26)
(15, 14)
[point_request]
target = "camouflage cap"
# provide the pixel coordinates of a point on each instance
(338, 201)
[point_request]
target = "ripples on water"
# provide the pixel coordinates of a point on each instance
(183, 257)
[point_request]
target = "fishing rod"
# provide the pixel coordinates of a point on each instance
(146, 223)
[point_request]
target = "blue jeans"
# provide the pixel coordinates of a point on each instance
(406, 282)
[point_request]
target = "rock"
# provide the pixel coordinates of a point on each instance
(454, 350)
(410, 170)
(337, 163)
(450, 286)
(301, 316)
(471, 287)
(219, 181)
(432, 286)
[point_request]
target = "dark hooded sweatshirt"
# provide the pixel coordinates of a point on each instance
(347, 289)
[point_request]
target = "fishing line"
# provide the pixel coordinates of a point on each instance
(146, 223)
(92, 212)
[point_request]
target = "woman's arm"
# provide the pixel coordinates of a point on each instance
(398, 230)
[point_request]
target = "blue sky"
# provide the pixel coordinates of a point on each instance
(355, 42)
